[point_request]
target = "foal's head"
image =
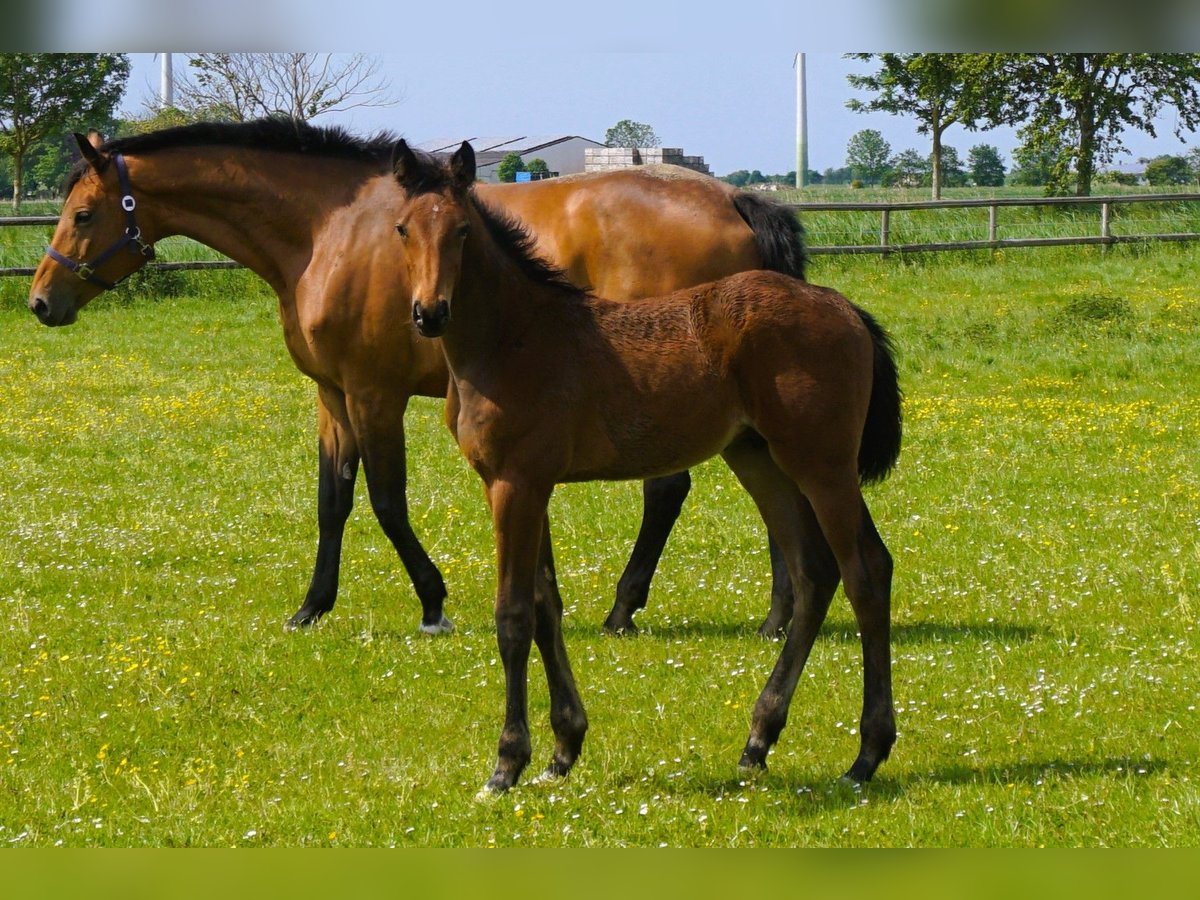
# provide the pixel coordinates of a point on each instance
(433, 220)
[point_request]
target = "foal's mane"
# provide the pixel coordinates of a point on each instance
(277, 133)
(516, 242)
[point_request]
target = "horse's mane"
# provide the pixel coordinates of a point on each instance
(518, 244)
(277, 133)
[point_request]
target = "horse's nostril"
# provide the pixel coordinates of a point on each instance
(39, 308)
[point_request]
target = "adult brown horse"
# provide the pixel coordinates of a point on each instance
(303, 207)
(795, 388)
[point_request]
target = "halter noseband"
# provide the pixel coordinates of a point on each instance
(132, 238)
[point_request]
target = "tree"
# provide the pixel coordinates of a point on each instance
(909, 169)
(1168, 170)
(987, 168)
(627, 133)
(509, 166)
(48, 94)
(242, 86)
(1076, 106)
(1035, 165)
(538, 168)
(867, 155)
(939, 89)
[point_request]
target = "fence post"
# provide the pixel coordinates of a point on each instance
(992, 224)
(884, 226)
(1105, 225)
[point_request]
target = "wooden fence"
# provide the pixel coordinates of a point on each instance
(1103, 234)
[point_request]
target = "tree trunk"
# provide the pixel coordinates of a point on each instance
(936, 174)
(1085, 164)
(18, 158)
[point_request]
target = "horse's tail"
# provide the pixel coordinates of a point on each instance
(777, 231)
(880, 446)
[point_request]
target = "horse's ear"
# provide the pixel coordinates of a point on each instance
(89, 148)
(405, 164)
(462, 166)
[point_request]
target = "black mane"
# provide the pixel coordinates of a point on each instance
(517, 243)
(280, 134)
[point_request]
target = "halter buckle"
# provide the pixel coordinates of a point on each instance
(84, 271)
(128, 203)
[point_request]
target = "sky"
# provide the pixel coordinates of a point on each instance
(736, 108)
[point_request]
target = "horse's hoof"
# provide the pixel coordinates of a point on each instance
(443, 627)
(621, 629)
(487, 794)
(770, 632)
(301, 620)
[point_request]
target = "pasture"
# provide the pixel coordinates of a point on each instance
(158, 527)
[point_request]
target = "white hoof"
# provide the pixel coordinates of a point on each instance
(443, 627)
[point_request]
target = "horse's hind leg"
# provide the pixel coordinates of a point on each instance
(866, 568)
(662, 499)
(338, 467)
(782, 595)
(814, 578)
(567, 717)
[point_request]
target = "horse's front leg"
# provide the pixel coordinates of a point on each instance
(518, 513)
(338, 467)
(379, 424)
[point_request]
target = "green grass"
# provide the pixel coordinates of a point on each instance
(158, 526)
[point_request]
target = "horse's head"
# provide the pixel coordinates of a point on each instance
(97, 242)
(432, 221)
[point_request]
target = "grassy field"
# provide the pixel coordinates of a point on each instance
(158, 526)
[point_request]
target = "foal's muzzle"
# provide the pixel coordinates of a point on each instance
(431, 322)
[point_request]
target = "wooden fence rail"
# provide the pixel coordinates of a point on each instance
(1103, 235)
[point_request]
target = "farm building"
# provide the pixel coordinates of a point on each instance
(563, 153)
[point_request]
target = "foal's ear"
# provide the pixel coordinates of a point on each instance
(405, 164)
(89, 148)
(462, 166)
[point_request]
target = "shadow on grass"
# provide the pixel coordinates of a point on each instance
(817, 795)
(843, 632)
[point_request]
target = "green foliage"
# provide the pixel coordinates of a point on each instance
(986, 166)
(1163, 171)
(509, 166)
(537, 166)
(159, 527)
(909, 169)
(938, 89)
(1075, 107)
(628, 133)
(44, 96)
(867, 155)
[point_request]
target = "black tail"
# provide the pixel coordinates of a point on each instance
(881, 434)
(779, 234)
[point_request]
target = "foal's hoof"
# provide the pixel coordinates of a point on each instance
(443, 627)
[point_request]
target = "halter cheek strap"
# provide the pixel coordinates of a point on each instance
(131, 239)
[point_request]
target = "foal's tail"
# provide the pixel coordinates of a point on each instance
(777, 231)
(880, 446)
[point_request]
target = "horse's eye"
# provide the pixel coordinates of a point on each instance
(402, 230)
(83, 217)
(464, 229)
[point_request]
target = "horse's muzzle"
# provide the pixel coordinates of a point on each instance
(47, 316)
(431, 322)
